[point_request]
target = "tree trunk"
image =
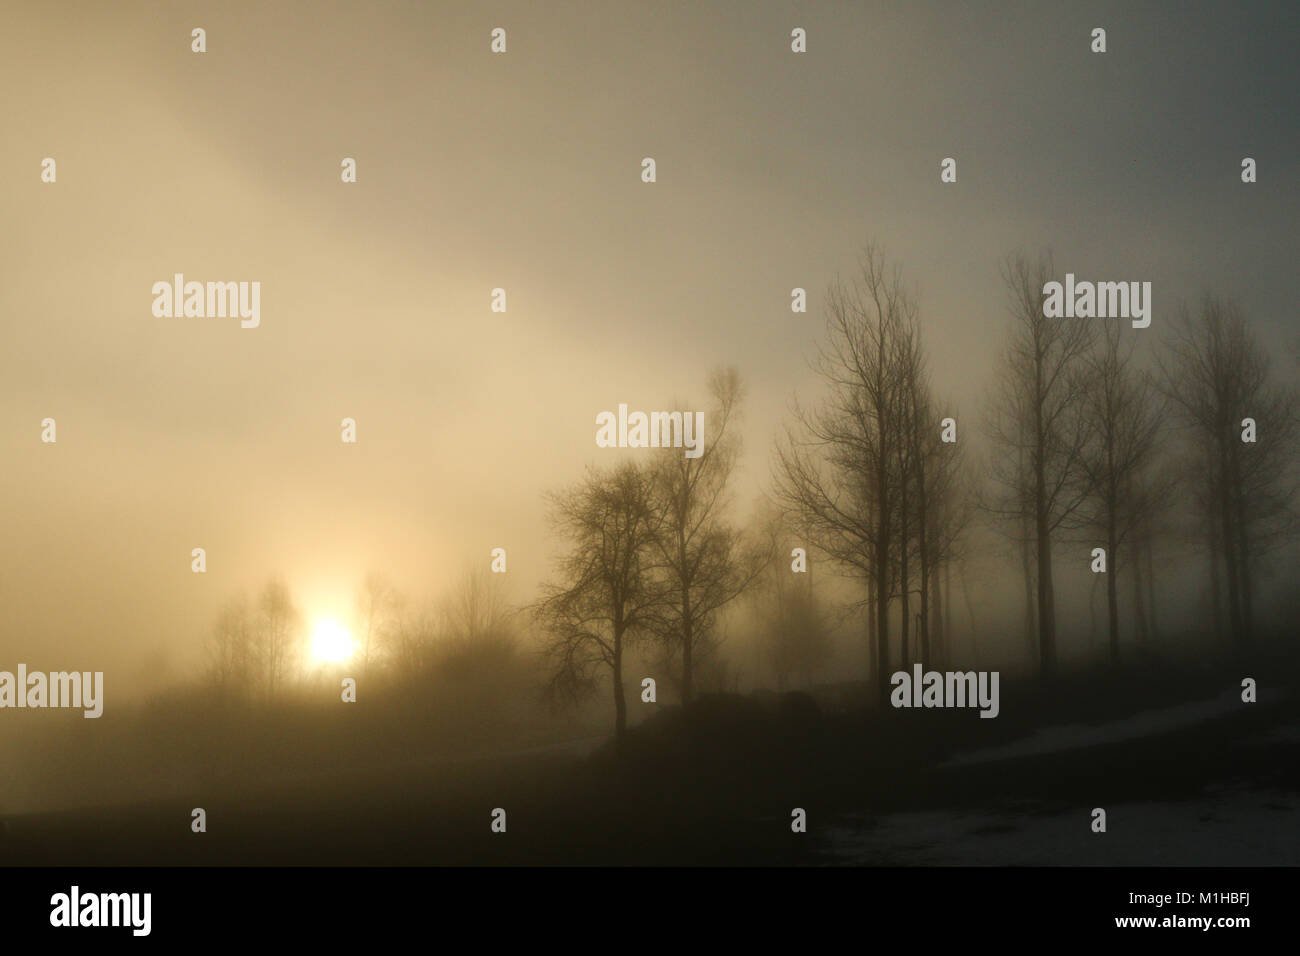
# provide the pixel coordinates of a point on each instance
(1046, 622)
(1139, 599)
(882, 578)
(1027, 566)
(882, 625)
(688, 666)
(688, 629)
(938, 634)
(1092, 612)
(1229, 542)
(872, 652)
(948, 608)
(904, 581)
(1243, 555)
(1151, 582)
(1046, 653)
(882, 613)
(1112, 588)
(1216, 599)
(970, 616)
(923, 542)
(620, 705)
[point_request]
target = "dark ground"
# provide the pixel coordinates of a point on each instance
(715, 785)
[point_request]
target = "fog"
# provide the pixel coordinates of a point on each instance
(522, 171)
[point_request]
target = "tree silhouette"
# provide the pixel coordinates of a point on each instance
(1038, 431)
(837, 466)
(700, 554)
(609, 590)
(1216, 377)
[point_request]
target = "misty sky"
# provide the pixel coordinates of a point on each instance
(523, 171)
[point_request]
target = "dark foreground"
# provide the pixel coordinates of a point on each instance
(1187, 774)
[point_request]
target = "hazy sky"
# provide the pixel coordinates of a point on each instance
(522, 171)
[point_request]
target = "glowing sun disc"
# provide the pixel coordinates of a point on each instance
(330, 642)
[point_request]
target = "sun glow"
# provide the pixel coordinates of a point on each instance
(330, 642)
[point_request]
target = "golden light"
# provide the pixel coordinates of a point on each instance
(330, 642)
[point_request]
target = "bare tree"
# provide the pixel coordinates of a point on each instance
(610, 589)
(1217, 379)
(276, 635)
(910, 497)
(1123, 415)
(1011, 499)
(949, 507)
(413, 642)
(837, 467)
(704, 562)
(932, 505)
(477, 609)
(1038, 431)
(230, 647)
(378, 608)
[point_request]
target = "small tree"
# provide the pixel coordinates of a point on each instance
(379, 607)
(704, 563)
(1038, 431)
(230, 648)
(836, 469)
(1122, 413)
(277, 635)
(609, 589)
(1216, 377)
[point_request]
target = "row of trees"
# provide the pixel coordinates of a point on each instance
(1086, 444)
(1090, 445)
(868, 473)
(1239, 451)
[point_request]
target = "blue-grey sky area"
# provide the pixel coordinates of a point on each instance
(522, 171)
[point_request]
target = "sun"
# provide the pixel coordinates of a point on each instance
(330, 642)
